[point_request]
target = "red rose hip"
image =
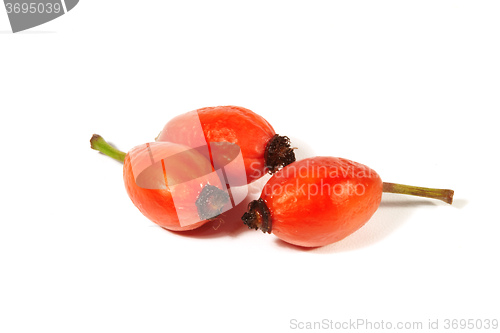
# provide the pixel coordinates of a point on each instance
(172, 185)
(227, 131)
(321, 200)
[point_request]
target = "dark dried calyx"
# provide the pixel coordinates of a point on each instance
(211, 201)
(258, 216)
(278, 153)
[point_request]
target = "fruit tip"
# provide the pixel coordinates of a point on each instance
(258, 216)
(278, 153)
(211, 201)
(449, 197)
(94, 139)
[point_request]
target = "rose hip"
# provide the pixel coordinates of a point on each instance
(321, 200)
(261, 148)
(171, 184)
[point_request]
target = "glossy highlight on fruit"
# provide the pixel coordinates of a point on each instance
(262, 150)
(321, 200)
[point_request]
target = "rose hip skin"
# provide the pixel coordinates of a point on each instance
(261, 148)
(316, 201)
(153, 186)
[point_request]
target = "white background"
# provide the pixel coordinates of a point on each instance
(409, 88)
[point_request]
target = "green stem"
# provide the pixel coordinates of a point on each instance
(433, 193)
(98, 143)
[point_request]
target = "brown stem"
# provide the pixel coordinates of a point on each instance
(433, 193)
